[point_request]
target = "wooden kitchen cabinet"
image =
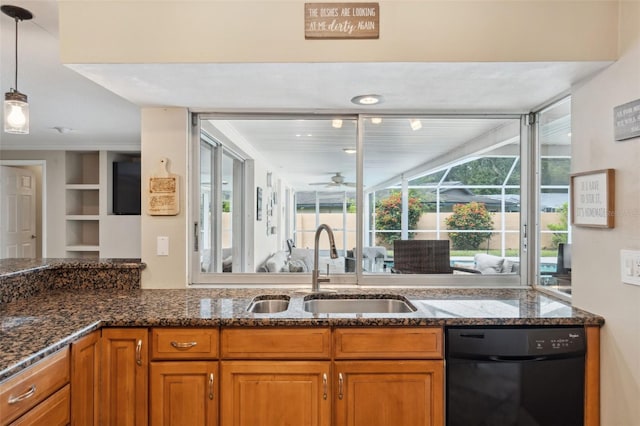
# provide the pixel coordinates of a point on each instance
(184, 343)
(386, 376)
(124, 376)
(381, 393)
(53, 411)
(275, 393)
(37, 392)
(184, 378)
(184, 393)
(85, 380)
(275, 376)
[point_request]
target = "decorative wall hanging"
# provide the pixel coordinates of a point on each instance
(592, 198)
(164, 192)
(258, 203)
(626, 121)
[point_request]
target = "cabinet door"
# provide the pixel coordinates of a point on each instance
(125, 371)
(184, 393)
(382, 393)
(275, 393)
(85, 380)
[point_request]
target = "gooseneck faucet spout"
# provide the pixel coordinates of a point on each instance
(315, 277)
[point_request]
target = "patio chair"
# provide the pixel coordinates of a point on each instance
(424, 257)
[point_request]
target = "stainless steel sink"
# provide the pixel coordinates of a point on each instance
(268, 304)
(355, 305)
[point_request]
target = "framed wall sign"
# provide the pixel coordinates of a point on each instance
(592, 198)
(258, 203)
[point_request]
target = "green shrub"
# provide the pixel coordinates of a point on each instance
(471, 216)
(389, 216)
(560, 237)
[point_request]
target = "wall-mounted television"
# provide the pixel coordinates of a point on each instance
(126, 187)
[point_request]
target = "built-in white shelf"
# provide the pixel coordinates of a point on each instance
(91, 229)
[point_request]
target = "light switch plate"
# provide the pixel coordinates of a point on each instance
(630, 266)
(162, 246)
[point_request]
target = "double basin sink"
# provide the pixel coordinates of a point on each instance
(335, 304)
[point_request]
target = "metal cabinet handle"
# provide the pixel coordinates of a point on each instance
(28, 394)
(139, 352)
(324, 386)
(340, 382)
(183, 345)
(211, 386)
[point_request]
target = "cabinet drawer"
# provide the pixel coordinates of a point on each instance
(276, 343)
(32, 385)
(53, 411)
(388, 343)
(184, 343)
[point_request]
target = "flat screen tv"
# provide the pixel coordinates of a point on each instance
(126, 187)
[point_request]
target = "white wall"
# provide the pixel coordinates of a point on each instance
(597, 286)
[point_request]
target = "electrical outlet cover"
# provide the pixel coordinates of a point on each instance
(630, 266)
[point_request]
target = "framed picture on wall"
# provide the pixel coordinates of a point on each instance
(592, 198)
(258, 203)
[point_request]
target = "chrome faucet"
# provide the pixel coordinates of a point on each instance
(315, 277)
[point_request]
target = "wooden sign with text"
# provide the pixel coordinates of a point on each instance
(341, 20)
(164, 192)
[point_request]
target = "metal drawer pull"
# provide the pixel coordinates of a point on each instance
(183, 345)
(211, 386)
(324, 386)
(28, 394)
(139, 352)
(340, 381)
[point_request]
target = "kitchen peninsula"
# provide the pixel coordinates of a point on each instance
(71, 305)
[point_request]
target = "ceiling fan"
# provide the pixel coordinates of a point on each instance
(336, 180)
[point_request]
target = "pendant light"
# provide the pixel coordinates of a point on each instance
(16, 108)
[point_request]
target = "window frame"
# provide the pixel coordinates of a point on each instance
(359, 278)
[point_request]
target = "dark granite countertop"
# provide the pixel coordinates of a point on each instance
(34, 327)
(12, 267)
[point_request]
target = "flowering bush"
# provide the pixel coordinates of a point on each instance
(388, 216)
(471, 216)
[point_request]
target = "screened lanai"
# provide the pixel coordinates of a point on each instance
(375, 180)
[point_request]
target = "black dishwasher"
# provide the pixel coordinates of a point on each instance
(520, 376)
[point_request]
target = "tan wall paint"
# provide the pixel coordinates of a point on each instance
(273, 31)
(597, 286)
(165, 133)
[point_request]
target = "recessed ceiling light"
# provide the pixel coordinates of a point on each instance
(415, 124)
(367, 100)
(376, 120)
(336, 123)
(349, 150)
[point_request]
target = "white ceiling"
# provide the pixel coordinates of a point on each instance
(100, 102)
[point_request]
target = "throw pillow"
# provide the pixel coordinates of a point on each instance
(488, 264)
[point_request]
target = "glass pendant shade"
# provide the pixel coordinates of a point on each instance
(16, 113)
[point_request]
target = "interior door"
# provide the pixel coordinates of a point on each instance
(18, 217)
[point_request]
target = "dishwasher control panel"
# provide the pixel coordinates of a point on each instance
(515, 341)
(560, 340)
